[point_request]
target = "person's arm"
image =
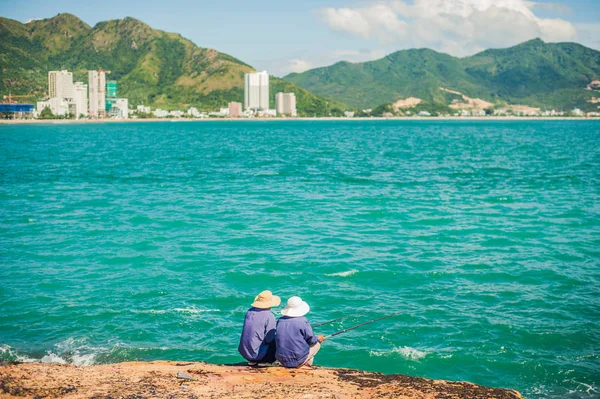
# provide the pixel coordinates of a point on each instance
(309, 335)
(270, 329)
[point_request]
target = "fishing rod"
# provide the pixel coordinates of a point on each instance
(359, 325)
(330, 321)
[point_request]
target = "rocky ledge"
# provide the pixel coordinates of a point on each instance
(163, 379)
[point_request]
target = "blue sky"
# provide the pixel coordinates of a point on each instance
(284, 36)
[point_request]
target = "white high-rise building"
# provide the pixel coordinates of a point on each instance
(285, 104)
(60, 85)
(256, 91)
(80, 98)
(97, 88)
(122, 106)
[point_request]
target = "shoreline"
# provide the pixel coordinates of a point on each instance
(203, 380)
(338, 119)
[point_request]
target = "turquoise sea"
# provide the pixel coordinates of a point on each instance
(141, 241)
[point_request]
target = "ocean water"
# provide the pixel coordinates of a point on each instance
(142, 241)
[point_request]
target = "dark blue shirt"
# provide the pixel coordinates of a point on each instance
(259, 328)
(293, 340)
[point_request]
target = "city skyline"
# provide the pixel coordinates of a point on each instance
(99, 99)
(314, 34)
(71, 99)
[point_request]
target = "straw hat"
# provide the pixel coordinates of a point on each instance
(296, 307)
(266, 300)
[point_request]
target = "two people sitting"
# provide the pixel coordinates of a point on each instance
(290, 340)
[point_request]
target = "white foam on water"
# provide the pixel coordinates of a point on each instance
(74, 351)
(70, 351)
(26, 359)
(277, 273)
(53, 358)
(149, 311)
(267, 173)
(7, 352)
(49, 357)
(405, 351)
(154, 348)
(194, 310)
(191, 310)
(343, 274)
(589, 389)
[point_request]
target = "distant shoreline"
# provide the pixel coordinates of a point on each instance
(434, 118)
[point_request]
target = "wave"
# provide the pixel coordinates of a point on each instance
(343, 274)
(405, 351)
(84, 356)
(191, 310)
(77, 352)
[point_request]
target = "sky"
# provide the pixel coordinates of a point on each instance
(283, 36)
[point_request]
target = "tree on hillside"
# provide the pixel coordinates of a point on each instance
(47, 114)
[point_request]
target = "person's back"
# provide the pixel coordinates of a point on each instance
(258, 332)
(257, 342)
(295, 340)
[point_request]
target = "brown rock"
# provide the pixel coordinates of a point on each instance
(159, 379)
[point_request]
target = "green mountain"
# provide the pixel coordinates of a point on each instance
(533, 73)
(153, 67)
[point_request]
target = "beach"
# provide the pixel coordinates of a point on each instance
(277, 119)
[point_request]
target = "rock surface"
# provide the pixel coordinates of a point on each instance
(159, 380)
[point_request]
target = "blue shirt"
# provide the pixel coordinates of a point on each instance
(293, 340)
(259, 328)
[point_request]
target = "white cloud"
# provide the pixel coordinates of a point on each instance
(557, 30)
(378, 20)
(460, 27)
(299, 65)
(326, 59)
(347, 20)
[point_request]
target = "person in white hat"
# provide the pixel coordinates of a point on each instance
(257, 343)
(296, 343)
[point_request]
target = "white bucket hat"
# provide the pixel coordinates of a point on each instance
(296, 307)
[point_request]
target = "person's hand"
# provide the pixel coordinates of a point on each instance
(321, 338)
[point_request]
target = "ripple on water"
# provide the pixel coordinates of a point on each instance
(149, 241)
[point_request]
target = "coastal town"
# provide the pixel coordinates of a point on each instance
(99, 100)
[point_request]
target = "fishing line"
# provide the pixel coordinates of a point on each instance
(330, 321)
(360, 325)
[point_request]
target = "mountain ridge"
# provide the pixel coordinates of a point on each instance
(531, 73)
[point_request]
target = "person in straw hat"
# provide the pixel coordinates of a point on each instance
(257, 343)
(296, 343)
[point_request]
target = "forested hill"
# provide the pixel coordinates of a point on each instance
(157, 68)
(532, 73)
